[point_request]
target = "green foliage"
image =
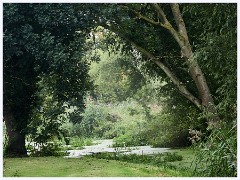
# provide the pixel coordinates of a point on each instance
(221, 45)
(217, 157)
(34, 45)
(152, 38)
(156, 159)
(42, 55)
(102, 120)
(47, 122)
(129, 139)
(77, 142)
(164, 131)
(131, 124)
(216, 51)
(96, 120)
(212, 36)
(129, 128)
(175, 119)
(75, 130)
(47, 149)
(171, 157)
(209, 44)
(115, 76)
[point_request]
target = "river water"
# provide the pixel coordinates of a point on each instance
(106, 146)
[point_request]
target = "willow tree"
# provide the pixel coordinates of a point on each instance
(159, 32)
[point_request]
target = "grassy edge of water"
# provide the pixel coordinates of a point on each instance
(84, 167)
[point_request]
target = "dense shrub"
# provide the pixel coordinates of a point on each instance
(164, 131)
(129, 139)
(78, 142)
(97, 121)
(46, 149)
(131, 125)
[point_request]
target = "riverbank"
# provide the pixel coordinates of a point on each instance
(82, 167)
(78, 164)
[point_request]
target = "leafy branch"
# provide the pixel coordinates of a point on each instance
(183, 90)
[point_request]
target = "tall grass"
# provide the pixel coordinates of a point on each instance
(217, 157)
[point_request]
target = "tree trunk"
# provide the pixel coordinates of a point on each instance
(16, 139)
(205, 95)
(194, 69)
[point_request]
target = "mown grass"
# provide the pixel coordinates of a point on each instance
(81, 167)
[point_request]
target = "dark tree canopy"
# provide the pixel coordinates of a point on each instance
(43, 40)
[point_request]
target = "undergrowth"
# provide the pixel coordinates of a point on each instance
(160, 159)
(217, 157)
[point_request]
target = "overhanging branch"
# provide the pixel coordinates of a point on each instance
(183, 90)
(179, 20)
(147, 19)
(160, 12)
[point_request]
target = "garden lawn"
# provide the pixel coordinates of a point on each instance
(80, 167)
